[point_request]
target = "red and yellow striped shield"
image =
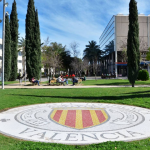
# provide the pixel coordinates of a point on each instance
(79, 118)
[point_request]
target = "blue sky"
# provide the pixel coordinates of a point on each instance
(66, 21)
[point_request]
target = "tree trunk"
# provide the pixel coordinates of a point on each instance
(132, 84)
(95, 74)
(95, 77)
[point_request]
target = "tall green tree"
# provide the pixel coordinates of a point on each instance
(133, 43)
(52, 56)
(148, 54)
(14, 41)
(66, 60)
(32, 48)
(93, 53)
(37, 46)
(30, 25)
(7, 62)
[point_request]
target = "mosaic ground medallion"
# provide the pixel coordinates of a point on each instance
(76, 123)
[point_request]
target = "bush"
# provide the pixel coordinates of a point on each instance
(139, 75)
(143, 75)
(56, 75)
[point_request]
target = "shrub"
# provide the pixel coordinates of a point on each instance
(56, 75)
(139, 75)
(143, 75)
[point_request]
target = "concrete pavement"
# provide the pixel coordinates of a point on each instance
(45, 86)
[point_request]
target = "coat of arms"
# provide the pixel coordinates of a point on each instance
(79, 118)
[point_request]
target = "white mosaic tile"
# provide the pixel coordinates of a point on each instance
(76, 123)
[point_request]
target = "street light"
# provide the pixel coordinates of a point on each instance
(7, 13)
(6, 4)
(3, 37)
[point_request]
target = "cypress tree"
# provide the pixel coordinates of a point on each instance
(7, 59)
(32, 42)
(14, 41)
(133, 43)
(37, 45)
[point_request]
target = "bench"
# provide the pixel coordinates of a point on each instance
(54, 81)
(79, 81)
(34, 83)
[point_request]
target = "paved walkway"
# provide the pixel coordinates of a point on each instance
(45, 86)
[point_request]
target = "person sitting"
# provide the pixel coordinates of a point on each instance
(74, 80)
(73, 75)
(60, 80)
(19, 77)
(35, 81)
(84, 78)
(66, 79)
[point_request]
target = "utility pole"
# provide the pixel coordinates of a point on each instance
(3, 50)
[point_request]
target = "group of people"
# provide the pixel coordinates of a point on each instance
(109, 74)
(64, 79)
(61, 79)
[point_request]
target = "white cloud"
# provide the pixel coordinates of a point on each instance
(65, 21)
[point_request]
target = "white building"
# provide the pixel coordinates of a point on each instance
(113, 40)
(19, 64)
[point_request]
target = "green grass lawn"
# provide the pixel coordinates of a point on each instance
(108, 82)
(96, 82)
(9, 82)
(113, 82)
(10, 98)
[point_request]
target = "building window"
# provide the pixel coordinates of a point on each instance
(19, 61)
(106, 40)
(0, 46)
(0, 57)
(19, 53)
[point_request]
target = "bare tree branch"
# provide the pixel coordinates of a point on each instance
(74, 46)
(143, 47)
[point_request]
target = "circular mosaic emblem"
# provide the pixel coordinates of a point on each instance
(76, 123)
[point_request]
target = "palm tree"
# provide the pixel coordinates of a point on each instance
(93, 53)
(21, 42)
(109, 48)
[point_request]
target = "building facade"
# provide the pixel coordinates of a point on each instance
(113, 41)
(19, 64)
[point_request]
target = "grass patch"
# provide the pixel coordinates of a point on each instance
(95, 82)
(10, 98)
(114, 82)
(9, 82)
(109, 82)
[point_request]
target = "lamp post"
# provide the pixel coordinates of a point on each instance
(3, 37)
